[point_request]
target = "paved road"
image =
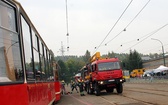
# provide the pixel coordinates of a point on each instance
(138, 92)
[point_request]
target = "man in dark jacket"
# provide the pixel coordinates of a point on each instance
(81, 86)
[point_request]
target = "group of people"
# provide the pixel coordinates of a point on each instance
(80, 84)
(74, 84)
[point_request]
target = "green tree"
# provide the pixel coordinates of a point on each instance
(71, 68)
(86, 57)
(111, 55)
(133, 61)
(62, 71)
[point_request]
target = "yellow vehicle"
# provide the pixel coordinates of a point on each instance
(126, 75)
(137, 72)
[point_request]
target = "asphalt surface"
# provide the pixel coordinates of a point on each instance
(127, 98)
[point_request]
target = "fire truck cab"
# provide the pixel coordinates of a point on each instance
(103, 74)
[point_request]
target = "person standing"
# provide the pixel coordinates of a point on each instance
(81, 86)
(63, 87)
(73, 86)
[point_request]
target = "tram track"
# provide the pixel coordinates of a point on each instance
(110, 102)
(138, 101)
(139, 95)
(150, 91)
(133, 94)
(128, 97)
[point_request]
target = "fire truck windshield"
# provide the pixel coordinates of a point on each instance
(108, 66)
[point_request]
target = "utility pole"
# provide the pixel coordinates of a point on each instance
(162, 50)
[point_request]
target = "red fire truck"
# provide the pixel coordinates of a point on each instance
(102, 74)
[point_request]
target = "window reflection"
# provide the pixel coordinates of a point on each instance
(43, 68)
(47, 65)
(10, 60)
(37, 68)
(51, 76)
(108, 66)
(46, 62)
(43, 75)
(37, 64)
(27, 49)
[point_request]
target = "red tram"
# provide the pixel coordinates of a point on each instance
(28, 72)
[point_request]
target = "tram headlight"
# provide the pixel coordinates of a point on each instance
(121, 80)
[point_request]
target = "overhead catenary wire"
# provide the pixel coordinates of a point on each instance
(114, 25)
(151, 33)
(129, 22)
(128, 42)
(146, 36)
(154, 48)
(124, 44)
(138, 13)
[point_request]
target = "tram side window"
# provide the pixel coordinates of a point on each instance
(37, 65)
(10, 57)
(47, 65)
(51, 75)
(27, 49)
(36, 57)
(46, 62)
(43, 68)
(42, 62)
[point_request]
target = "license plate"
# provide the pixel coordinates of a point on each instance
(111, 80)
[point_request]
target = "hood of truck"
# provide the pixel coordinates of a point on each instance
(107, 75)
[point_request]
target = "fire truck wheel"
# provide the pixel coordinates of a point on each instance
(97, 90)
(119, 88)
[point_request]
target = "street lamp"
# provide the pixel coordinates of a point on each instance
(162, 50)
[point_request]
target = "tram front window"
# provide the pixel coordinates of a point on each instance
(10, 60)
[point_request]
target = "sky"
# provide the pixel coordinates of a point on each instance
(97, 25)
